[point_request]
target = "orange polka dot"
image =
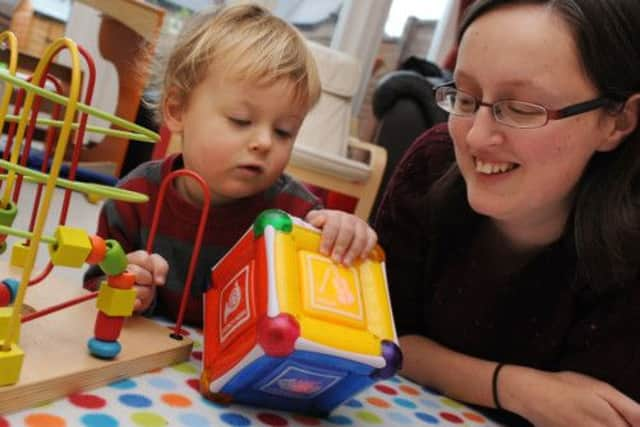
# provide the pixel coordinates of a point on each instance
(474, 417)
(409, 390)
(44, 420)
(177, 400)
(376, 401)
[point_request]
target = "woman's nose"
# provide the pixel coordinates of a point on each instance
(484, 130)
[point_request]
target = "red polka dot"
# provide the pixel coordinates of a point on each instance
(197, 355)
(194, 383)
(386, 389)
(272, 419)
(87, 401)
(451, 417)
(307, 421)
(4, 422)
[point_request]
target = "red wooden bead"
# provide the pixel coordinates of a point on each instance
(5, 295)
(107, 328)
(98, 250)
(124, 280)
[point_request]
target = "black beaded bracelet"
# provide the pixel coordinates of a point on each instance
(494, 385)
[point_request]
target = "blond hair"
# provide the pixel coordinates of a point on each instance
(249, 43)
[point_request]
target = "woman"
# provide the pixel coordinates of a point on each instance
(513, 235)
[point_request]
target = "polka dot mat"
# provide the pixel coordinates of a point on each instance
(170, 397)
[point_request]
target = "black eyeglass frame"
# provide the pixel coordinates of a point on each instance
(562, 113)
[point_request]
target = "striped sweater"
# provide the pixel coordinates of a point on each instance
(129, 224)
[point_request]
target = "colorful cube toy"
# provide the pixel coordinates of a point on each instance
(287, 328)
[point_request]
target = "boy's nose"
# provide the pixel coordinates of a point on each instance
(261, 140)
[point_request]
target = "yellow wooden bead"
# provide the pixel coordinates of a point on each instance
(5, 315)
(19, 254)
(72, 246)
(10, 365)
(115, 302)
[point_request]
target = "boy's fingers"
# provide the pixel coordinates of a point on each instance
(343, 240)
(143, 276)
(316, 218)
(138, 257)
(159, 268)
(372, 239)
(358, 243)
(144, 297)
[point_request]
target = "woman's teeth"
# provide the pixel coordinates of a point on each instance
(493, 168)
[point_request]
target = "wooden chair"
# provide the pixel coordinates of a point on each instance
(128, 33)
(325, 155)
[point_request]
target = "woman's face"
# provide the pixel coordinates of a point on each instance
(524, 178)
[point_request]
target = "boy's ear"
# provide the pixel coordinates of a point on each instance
(172, 111)
(625, 122)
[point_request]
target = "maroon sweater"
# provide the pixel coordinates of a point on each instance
(538, 315)
(129, 224)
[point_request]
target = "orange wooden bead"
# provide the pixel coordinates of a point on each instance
(124, 280)
(98, 250)
(108, 328)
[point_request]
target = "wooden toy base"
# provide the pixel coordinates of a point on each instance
(57, 362)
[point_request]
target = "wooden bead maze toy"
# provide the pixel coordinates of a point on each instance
(50, 360)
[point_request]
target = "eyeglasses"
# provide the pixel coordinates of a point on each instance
(509, 112)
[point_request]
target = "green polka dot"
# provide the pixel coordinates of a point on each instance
(197, 344)
(185, 368)
(451, 403)
(369, 417)
(148, 419)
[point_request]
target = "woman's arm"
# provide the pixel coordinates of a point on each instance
(544, 398)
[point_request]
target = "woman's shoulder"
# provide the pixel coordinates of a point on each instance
(428, 157)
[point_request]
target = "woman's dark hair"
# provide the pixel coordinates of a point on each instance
(606, 216)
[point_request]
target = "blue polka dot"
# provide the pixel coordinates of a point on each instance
(162, 383)
(193, 420)
(135, 400)
(429, 419)
(404, 403)
(340, 420)
(98, 420)
(235, 419)
(430, 403)
(399, 418)
(353, 403)
(123, 384)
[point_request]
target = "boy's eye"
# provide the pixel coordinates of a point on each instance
(283, 133)
(239, 122)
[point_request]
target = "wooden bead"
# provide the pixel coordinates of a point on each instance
(115, 261)
(98, 250)
(124, 280)
(104, 349)
(5, 295)
(71, 248)
(107, 328)
(8, 214)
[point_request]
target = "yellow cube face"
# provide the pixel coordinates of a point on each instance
(5, 315)
(19, 254)
(341, 307)
(10, 365)
(72, 248)
(116, 302)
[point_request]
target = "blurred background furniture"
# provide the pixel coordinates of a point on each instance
(122, 46)
(325, 155)
(405, 107)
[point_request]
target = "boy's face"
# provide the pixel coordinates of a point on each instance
(237, 135)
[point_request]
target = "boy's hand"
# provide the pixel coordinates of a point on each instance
(345, 237)
(150, 271)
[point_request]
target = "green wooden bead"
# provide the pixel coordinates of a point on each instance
(115, 261)
(8, 214)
